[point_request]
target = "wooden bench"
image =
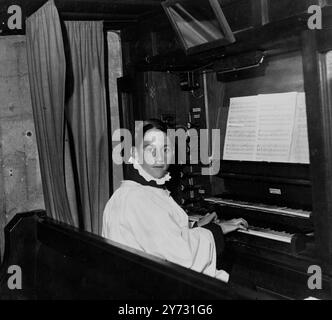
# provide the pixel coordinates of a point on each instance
(62, 262)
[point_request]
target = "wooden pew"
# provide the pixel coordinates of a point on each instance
(62, 262)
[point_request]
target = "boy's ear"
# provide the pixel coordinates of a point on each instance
(132, 152)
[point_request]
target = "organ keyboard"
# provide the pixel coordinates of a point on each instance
(261, 207)
(280, 228)
(268, 233)
(276, 250)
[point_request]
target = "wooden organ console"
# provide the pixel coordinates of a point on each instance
(289, 230)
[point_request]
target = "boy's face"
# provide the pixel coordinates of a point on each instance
(157, 153)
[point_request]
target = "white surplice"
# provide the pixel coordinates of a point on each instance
(148, 219)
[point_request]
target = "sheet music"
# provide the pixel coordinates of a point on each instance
(269, 127)
(300, 145)
(242, 125)
(275, 123)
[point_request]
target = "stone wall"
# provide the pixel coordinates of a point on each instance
(20, 180)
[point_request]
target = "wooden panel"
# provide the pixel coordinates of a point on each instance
(275, 272)
(162, 95)
(285, 8)
(242, 14)
(283, 73)
(2, 208)
(280, 73)
(216, 97)
(114, 66)
(319, 111)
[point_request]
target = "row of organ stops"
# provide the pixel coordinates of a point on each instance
(191, 188)
(191, 192)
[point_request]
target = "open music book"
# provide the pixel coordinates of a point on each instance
(268, 127)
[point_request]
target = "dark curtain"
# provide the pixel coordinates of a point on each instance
(86, 116)
(47, 70)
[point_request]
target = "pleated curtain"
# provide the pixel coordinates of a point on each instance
(67, 80)
(47, 72)
(87, 116)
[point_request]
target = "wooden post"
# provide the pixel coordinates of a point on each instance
(319, 114)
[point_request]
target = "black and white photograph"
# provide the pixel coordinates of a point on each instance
(175, 153)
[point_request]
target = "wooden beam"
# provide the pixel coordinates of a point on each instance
(98, 16)
(318, 101)
(108, 6)
(108, 3)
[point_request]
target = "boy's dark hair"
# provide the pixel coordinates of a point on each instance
(151, 124)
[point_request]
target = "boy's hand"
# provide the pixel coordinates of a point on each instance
(209, 217)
